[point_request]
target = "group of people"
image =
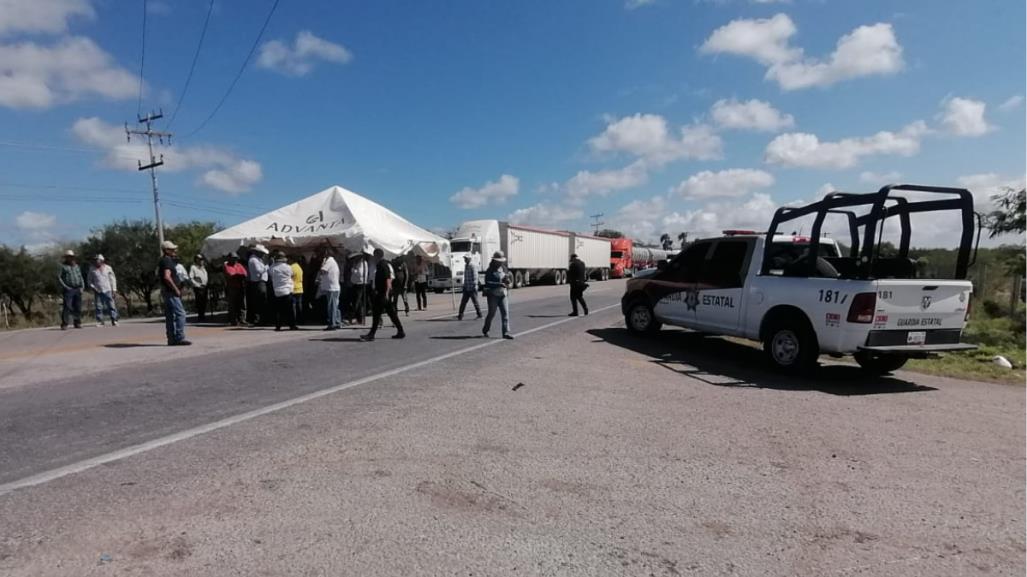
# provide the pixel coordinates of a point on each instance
(270, 288)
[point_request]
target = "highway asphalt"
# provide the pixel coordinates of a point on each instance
(576, 449)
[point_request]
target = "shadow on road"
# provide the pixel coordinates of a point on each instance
(724, 363)
(132, 345)
(545, 316)
(456, 337)
(338, 340)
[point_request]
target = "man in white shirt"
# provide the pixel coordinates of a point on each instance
(198, 279)
(104, 286)
(356, 300)
(256, 285)
(281, 285)
(328, 287)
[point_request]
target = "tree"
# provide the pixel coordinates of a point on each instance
(26, 278)
(1009, 217)
(683, 239)
(610, 233)
(666, 242)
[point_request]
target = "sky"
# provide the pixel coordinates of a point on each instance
(661, 115)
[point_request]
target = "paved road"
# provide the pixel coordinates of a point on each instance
(575, 450)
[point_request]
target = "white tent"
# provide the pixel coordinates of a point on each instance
(333, 217)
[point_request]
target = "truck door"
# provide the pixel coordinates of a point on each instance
(677, 298)
(719, 288)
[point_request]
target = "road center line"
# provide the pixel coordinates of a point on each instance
(85, 465)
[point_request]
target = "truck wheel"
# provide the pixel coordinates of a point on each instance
(527, 278)
(518, 281)
(606, 274)
(640, 319)
(791, 347)
(879, 364)
(563, 277)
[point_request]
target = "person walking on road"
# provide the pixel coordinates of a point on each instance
(296, 264)
(384, 276)
(328, 287)
(235, 287)
(70, 279)
(199, 279)
(282, 284)
(171, 291)
(104, 285)
(470, 288)
(497, 282)
(421, 283)
(256, 285)
(577, 276)
(356, 300)
(401, 284)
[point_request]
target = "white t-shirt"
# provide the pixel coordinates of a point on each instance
(328, 277)
(281, 279)
(358, 272)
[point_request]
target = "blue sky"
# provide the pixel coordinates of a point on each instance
(664, 115)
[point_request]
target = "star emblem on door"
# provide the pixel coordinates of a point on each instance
(692, 299)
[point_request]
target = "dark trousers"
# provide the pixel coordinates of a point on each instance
(235, 303)
(296, 300)
(200, 294)
(397, 294)
(256, 301)
(379, 304)
(284, 312)
(71, 307)
(357, 299)
(578, 296)
(421, 292)
(469, 294)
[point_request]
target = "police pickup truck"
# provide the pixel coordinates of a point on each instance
(801, 296)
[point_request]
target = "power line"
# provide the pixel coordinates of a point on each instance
(192, 67)
(142, 60)
(238, 75)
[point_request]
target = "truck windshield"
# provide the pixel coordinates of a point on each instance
(616, 254)
(464, 246)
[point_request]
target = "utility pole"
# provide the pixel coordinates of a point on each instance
(596, 223)
(150, 133)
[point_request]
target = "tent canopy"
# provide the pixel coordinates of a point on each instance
(333, 217)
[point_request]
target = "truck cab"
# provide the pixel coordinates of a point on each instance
(801, 296)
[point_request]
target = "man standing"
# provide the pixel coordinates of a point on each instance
(383, 278)
(470, 288)
(104, 286)
(256, 285)
(198, 278)
(401, 284)
(70, 279)
(235, 287)
(296, 264)
(328, 286)
(576, 275)
(421, 282)
(282, 284)
(171, 291)
(358, 280)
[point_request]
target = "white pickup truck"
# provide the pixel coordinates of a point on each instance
(766, 287)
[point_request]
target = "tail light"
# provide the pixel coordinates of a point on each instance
(862, 308)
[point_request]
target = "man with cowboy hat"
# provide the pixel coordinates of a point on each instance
(470, 287)
(256, 285)
(171, 291)
(497, 282)
(70, 279)
(104, 286)
(235, 287)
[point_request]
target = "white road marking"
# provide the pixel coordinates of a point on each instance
(54, 474)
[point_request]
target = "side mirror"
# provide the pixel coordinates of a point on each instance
(662, 265)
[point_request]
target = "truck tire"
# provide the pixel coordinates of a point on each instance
(874, 364)
(606, 274)
(640, 318)
(791, 346)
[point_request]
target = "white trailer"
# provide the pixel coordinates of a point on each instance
(594, 251)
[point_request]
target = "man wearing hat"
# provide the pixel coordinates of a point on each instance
(382, 295)
(577, 277)
(104, 285)
(198, 278)
(70, 279)
(171, 291)
(470, 287)
(256, 285)
(235, 287)
(282, 282)
(497, 282)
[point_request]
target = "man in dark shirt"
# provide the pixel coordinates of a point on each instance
(171, 291)
(577, 276)
(72, 283)
(382, 291)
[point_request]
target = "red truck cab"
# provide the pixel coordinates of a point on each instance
(621, 265)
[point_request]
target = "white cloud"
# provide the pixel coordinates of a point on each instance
(987, 184)
(750, 115)
(545, 214)
(649, 137)
(880, 178)
(222, 169)
(799, 149)
(41, 16)
(1011, 103)
(964, 117)
(34, 75)
(866, 51)
(492, 192)
(601, 183)
(299, 59)
(733, 182)
(29, 221)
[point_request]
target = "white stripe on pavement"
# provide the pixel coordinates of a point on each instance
(54, 474)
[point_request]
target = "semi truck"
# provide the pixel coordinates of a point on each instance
(533, 254)
(621, 263)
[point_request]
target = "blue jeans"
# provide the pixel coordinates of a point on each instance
(174, 318)
(71, 307)
(332, 313)
(503, 305)
(104, 303)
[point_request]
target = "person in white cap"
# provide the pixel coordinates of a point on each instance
(171, 291)
(70, 279)
(497, 282)
(198, 278)
(256, 285)
(104, 286)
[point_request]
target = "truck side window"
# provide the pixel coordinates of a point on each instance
(687, 267)
(725, 267)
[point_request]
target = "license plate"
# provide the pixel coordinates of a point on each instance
(916, 337)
